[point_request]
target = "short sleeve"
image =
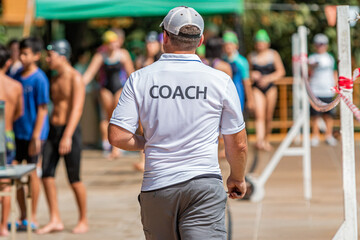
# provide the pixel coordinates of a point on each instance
(245, 69)
(42, 90)
(232, 120)
(312, 59)
(335, 63)
(126, 113)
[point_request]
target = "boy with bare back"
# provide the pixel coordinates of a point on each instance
(11, 92)
(67, 92)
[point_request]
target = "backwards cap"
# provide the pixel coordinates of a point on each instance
(262, 36)
(181, 16)
(62, 47)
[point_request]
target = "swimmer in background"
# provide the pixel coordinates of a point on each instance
(266, 67)
(112, 60)
(68, 96)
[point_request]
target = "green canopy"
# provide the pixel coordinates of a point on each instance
(85, 9)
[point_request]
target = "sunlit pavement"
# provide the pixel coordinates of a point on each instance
(113, 209)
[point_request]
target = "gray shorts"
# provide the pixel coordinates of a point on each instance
(191, 210)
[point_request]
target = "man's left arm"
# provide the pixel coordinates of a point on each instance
(125, 121)
(77, 104)
(42, 99)
(35, 142)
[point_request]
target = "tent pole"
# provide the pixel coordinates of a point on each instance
(28, 18)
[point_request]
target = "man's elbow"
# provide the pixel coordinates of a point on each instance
(118, 137)
(242, 147)
(112, 135)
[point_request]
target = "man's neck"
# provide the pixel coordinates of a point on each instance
(183, 52)
(62, 68)
(2, 74)
(174, 51)
(29, 70)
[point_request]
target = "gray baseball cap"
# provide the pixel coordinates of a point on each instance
(181, 16)
(321, 39)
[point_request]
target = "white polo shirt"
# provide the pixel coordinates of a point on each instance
(182, 105)
(322, 77)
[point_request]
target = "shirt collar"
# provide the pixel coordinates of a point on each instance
(179, 57)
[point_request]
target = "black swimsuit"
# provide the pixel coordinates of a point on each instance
(264, 70)
(112, 76)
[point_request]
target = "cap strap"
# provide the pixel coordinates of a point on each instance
(189, 35)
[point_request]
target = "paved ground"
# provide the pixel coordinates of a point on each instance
(113, 212)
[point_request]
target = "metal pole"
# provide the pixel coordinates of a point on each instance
(295, 43)
(28, 18)
(302, 30)
(348, 230)
(296, 73)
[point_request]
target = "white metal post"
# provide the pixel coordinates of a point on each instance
(302, 30)
(295, 46)
(348, 230)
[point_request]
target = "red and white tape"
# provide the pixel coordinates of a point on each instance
(346, 83)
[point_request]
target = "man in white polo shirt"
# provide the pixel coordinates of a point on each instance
(182, 105)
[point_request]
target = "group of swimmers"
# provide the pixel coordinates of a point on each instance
(30, 132)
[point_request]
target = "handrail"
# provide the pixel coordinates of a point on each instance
(283, 117)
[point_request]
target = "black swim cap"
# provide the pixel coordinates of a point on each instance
(62, 47)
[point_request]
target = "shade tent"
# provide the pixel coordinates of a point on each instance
(85, 9)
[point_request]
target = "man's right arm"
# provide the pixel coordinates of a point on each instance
(125, 121)
(234, 133)
(123, 139)
(236, 151)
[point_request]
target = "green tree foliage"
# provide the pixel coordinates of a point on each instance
(281, 24)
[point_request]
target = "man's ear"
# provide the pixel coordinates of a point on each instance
(37, 56)
(166, 37)
(8, 63)
(201, 41)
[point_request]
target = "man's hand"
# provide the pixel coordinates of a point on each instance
(236, 149)
(236, 188)
(65, 145)
(34, 147)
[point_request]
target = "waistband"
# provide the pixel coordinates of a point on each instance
(194, 178)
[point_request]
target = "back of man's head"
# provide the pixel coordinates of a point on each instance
(34, 44)
(4, 55)
(186, 43)
(184, 26)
